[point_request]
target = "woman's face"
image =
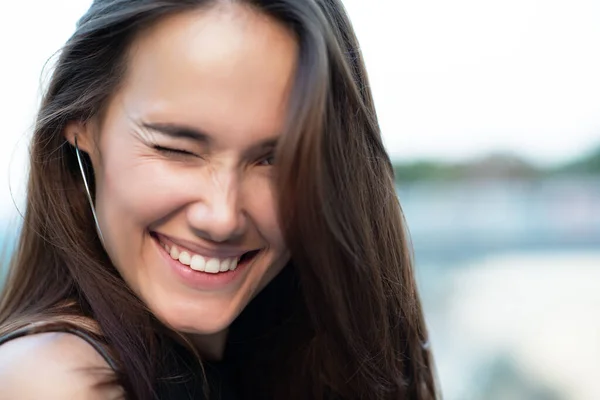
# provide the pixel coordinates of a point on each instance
(183, 164)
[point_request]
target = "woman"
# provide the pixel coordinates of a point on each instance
(211, 210)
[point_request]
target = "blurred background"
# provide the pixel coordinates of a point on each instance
(491, 113)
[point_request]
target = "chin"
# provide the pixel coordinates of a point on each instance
(200, 320)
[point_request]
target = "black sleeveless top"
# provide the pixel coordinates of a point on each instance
(252, 336)
(186, 379)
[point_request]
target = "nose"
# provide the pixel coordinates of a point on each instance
(217, 215)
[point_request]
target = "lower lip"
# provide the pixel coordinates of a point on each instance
(198, 279)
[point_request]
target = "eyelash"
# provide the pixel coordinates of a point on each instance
(175, 152)
(266, 157)
(185, 153)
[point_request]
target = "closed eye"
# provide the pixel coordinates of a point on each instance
(174, 152)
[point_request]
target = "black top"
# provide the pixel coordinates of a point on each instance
(186, 379)
(252, 336)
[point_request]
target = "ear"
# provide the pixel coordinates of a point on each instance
(83, 132)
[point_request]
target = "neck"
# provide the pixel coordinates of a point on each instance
(210, 346)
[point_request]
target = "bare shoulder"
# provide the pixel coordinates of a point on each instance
(53, 366)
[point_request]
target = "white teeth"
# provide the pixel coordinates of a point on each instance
(174, 253)
(233, 265)
(225, 265)
(185, 258)
(213, 266)
(198, 263)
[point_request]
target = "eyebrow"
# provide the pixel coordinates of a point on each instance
(268, 143)
(178, 131)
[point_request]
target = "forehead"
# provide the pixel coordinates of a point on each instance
(224, 69)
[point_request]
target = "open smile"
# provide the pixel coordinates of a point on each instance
(209, 269)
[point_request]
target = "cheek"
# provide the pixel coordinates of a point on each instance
(136, 186)
(134, 191)
(146, 195)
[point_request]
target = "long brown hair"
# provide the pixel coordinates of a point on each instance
(355, 328)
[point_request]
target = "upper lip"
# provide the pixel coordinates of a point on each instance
(217, 252)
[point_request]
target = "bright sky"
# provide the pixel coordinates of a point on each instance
(451, 80)
(460, 78)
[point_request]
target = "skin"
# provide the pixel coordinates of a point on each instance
(218, 195)
(62, 366)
